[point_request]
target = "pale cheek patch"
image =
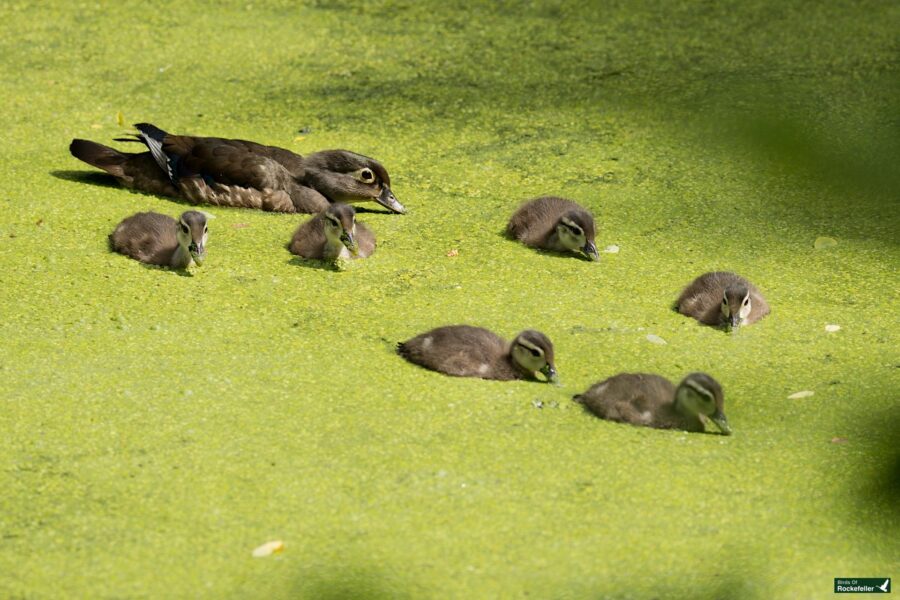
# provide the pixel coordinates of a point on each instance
(426, 343)
(745, 310)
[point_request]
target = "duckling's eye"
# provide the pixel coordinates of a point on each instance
(746, 300)
(205, 229)
(185, 228)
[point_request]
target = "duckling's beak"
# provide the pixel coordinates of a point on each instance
(387, 200)
(735, 322)
(348, 240)
(590, 250)
(198, 253)
(549, 372)
(721, 422)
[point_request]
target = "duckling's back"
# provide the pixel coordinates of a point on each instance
(148, 237)
(536, 220)
(636, 398)
(309, 239)
(462, 351)
(365, 241)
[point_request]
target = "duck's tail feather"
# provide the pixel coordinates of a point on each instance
(98, 155)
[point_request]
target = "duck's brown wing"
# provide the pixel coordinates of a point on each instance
(230, 172)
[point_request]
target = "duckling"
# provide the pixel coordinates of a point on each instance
(239, 173)
(554, 224)
(652, 401)
(722, 298)
(333, 234)
(158, 239)
(466, 351)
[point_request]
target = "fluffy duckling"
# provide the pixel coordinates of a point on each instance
(722, 298)
(652, 401)
(333, 234)
(158, 239)
(556, 224)
(465, 351)
(230, 172)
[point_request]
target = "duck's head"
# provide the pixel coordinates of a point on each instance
(735, 305)
(699, 394)
(343, 176)
(340, 226)
(532, 351)
(192, 234)
(575, 230)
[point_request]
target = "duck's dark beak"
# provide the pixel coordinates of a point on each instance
(721, 422)
(735, 321)
(549, 372)
(351, 244)
(387, 200)
(590, 250)
(198, 253)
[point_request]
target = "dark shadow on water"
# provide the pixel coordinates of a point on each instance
(883, 487)
(543, 251)
(179, 272)
(563, 254)
(91, 177)
(316, 264)
(349, 583)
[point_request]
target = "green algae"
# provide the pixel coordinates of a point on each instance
(159, 427)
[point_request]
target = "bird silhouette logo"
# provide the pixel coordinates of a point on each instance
(886, 586)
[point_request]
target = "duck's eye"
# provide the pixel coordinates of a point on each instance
(185, 228)
(576, 231)
(366, 176)
(746, 300)
(205, 229)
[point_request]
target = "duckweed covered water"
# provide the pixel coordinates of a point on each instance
(159, 427)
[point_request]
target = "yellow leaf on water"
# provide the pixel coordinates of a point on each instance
(803, 394)
(825, 242)
(120, 119)
(269, 548)
(832, 328)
